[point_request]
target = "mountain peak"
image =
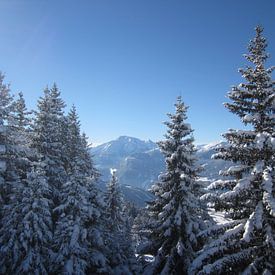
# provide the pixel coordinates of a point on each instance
(139, 162)
(127, 139)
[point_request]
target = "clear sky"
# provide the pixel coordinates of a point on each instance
(123, 63)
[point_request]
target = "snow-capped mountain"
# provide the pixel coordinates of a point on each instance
(139, 163)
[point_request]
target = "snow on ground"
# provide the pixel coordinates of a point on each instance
(218, 217)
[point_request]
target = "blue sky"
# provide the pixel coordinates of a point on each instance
(123, 63)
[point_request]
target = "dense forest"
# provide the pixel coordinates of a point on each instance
(54, 218)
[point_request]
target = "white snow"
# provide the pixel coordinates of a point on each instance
(242, 185)
(113, 170)
(209, 146)
(268, 195)
(261, 139)
(218, 217)
(254, 221)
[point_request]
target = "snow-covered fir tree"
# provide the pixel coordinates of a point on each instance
(26, 237)
(21, 125)
(26, 221)
(114, 203)
(121, 253)
(7, 168)
(88, 161)
(75, 252)
(247, 244)
(175, 215)
(22, 112)
(14, 161)
(47, 137)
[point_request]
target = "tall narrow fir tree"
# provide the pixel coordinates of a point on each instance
(175, 213)
(247, 244)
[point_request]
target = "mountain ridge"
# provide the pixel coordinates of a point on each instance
(140, 162)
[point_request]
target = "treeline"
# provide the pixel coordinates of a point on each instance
(55, 220)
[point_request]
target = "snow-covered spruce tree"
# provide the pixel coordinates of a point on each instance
(96, 224)
(88, 161)
(13, 146)
(75, 252)
(247, 244)
(7, 166)
(121, 253)
(175, 212)
(47, 137)
(25, 217)
(26, 237)
(22, 133)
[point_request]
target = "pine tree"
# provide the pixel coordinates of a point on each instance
(247, 244)
(14, 161)
(25, 217)
(47, 137)
(121, 254)
(175, 215)
(21, 127)
(98, 263)
(88, 162)
(7, 168)
(75, 252)
(27, 234)
(22, 113)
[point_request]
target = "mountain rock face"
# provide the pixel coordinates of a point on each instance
(139, 163)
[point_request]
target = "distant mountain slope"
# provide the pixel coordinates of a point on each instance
(211, 167)
(135, 195)
(139, 163)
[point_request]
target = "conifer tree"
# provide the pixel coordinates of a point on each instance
(26, 237)
(25, 222)
(175, 215)
(47, 137)
(75, 252)
(22, 113)
(7, 169)
(121, 254)
(14, 161)
(247, 244)
(22, 135)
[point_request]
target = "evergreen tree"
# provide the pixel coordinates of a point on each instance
(247, 244)
(121, 254)
(175, 215)
(6, 163)
(47, 137)
(26, 237)
(22, 135)
(22, 113)
(25, 217)
(88, 159)
(75, 252)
